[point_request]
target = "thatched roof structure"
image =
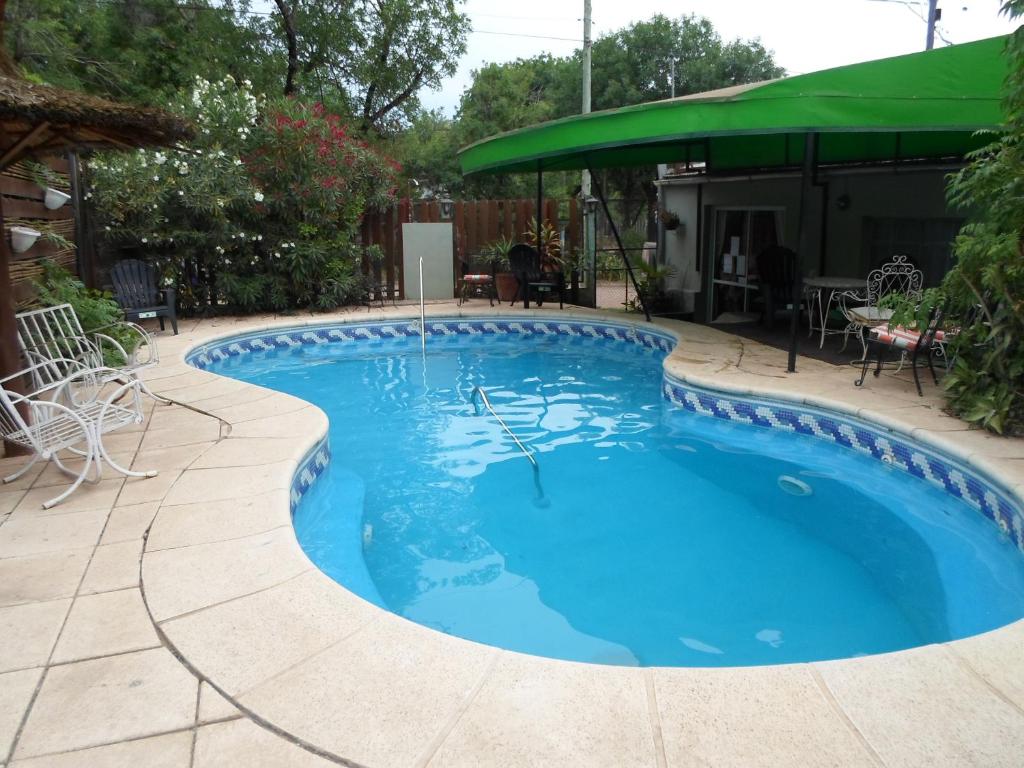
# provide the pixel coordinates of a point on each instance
(41, 118)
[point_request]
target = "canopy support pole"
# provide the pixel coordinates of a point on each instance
(618, 241)
(803, 242)
(540, 211)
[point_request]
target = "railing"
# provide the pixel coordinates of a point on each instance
(423, 320)
(478, 392)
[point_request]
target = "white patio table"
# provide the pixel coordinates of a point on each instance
(815, 288)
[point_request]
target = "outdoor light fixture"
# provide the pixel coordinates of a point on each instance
(447, 208)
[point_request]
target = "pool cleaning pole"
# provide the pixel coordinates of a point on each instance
(423, 323)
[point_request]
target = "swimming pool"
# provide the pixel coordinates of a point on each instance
(657, 536)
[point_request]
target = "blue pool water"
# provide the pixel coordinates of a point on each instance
(656, 536)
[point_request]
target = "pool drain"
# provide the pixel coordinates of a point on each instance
(794, 487)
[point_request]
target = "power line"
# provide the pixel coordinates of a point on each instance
(523, 34)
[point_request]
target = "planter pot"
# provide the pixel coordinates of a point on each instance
(23, 238)
(54, 198)
(505, 284)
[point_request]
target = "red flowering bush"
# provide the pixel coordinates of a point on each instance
(317, 182)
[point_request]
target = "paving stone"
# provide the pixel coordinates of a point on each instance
(209, 521)
(37, 578)
(243, 743)
(113, 566)
(16, 689)
(87, 496)
(171, 750)
(104, 624)
(213, 707)
(28, 632)
(138, 490)
(50, 533)
(752, 716)
(101, 701)
(129, 523)
(921, 708)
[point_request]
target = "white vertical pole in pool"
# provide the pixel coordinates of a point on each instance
(423, 324)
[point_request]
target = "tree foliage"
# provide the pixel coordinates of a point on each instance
(261, 212)
(630, 66)
(366, 58)
(983, 294)
(135, 50)
(376, 55)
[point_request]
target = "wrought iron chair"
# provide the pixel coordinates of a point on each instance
(525, 265)
(86, 405)
(55, 345)
(906, 340)
(136, 290)
(862, 311)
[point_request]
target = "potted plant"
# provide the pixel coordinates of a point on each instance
(496, 254)
(669, 219)
(550, 245)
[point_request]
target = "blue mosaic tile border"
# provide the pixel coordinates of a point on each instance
(891, 448)
(310, 468)
(209, 354)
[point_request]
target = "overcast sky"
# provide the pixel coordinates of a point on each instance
(805, 35)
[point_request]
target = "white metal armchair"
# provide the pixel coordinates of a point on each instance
(51, 338)
(84, 406)
(862, 311)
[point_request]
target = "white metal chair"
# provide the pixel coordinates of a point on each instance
(86, 405)
(863, 312)
(52, 336)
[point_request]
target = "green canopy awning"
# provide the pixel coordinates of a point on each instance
(920, 106)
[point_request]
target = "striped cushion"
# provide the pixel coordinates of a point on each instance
(477, 278)
(900, 337)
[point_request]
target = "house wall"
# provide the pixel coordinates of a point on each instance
(905, 193)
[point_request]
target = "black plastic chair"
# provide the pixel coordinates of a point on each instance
(777, 274)
(524, 262)
(136, 290)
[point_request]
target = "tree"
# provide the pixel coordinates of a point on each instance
(376, 54)
(634, 65)
(503, 97)
(630, 66)
(135, 50)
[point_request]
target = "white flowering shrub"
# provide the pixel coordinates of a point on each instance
(242, 219)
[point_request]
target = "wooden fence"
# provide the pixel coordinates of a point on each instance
(23, 207)
(475, 225)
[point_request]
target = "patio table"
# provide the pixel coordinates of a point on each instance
(815, 289)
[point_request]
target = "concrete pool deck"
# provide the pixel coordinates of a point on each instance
(175, 621)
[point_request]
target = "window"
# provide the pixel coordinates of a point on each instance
(926, 242)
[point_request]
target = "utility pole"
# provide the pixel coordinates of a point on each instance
(587, 45)
(588, 294)
(673, 61)
(934, 14)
